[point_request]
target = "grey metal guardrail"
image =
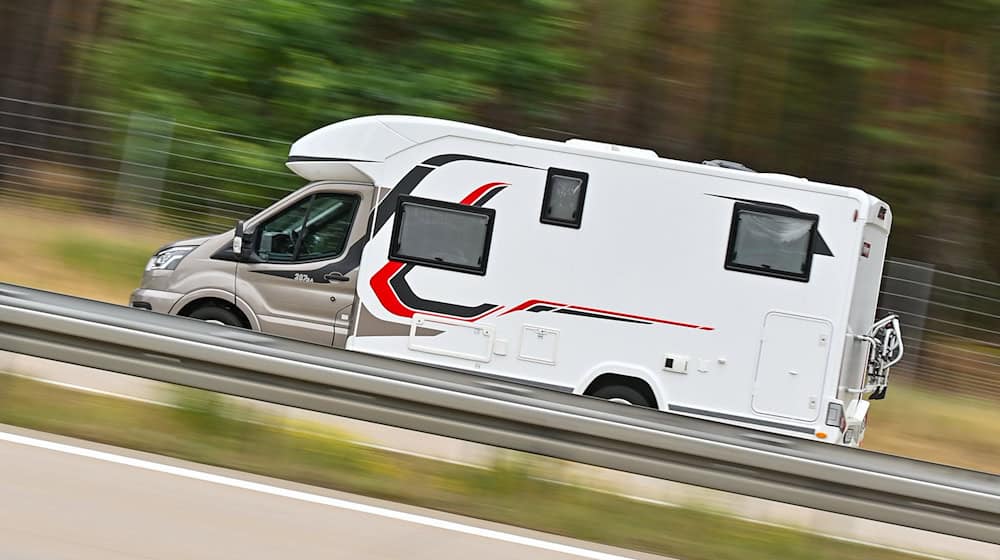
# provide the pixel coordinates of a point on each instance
(896, 490)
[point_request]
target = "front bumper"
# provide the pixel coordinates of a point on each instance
(154, 300)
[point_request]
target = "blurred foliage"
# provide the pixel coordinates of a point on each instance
(899, 98)
(116, 262)
(272, 70)
(200, 411)
(279, 68)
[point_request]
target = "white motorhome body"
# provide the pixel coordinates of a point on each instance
(742, 297)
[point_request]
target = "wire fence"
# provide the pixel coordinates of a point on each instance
(196, 180)
(136, 166)
(951, 327)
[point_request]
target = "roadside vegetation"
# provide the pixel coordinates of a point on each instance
(75, 254)
(215, 431)
(934, 425)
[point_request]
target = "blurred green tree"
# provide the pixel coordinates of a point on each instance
(894, 97)
(277, 69)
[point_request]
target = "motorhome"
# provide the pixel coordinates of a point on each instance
(704, 289)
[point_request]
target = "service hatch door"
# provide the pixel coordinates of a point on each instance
(792, 365)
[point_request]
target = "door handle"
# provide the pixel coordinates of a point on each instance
(335, 277)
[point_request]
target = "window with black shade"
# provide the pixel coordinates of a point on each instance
(771, 241)
(562, 204)
(442, 234)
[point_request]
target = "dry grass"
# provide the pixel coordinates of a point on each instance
(936, 426)
(78, 255)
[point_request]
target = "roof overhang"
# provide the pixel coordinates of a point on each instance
(348, 150)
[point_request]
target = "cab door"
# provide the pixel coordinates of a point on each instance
(303, 288)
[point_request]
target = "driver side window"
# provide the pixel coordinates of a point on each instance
(314, 228)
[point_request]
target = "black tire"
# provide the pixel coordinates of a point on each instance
(216, 313)
(625, 393)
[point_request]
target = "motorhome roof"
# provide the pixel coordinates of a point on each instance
(375, 138)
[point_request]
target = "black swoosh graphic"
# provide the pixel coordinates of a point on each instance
(567, 311)
(331, 159)
(445, 159)
(413, 301)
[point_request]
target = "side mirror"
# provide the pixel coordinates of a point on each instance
(242, 242)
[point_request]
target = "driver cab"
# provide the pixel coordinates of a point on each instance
(301, 277)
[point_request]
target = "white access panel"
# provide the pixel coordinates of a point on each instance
(792, 365)
(458, 339)
(539, 344)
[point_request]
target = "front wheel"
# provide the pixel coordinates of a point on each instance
(216, 314)
(624, 395)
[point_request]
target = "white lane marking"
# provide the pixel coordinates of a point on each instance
(311, 498)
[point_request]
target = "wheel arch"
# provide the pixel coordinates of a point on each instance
(212, 296)
(637, 377)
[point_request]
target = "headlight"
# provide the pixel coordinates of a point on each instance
(168, 259)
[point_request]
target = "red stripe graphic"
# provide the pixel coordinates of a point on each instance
(640, 317)
(529, 303)
(533, 302)
(387, 297)
(391, 302)
(476, 194)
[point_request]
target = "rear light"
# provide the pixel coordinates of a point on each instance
(835, 416)
(849, 436)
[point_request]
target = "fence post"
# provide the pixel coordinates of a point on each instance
(145, 155)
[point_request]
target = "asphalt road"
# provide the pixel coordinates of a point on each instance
(67, 499)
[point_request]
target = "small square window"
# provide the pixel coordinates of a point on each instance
(771, 241)
(442, 234)
(562, 204)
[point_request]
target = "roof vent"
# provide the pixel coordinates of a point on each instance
(613, 148)
(728, 164)
(784, 176)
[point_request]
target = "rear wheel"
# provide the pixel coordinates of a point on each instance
(623, 394)
(216, 314)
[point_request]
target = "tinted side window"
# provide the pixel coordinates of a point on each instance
(562, 204)
(442, 234)
(314, 228)
(278, 235)
(328, 226)
(772, 242)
